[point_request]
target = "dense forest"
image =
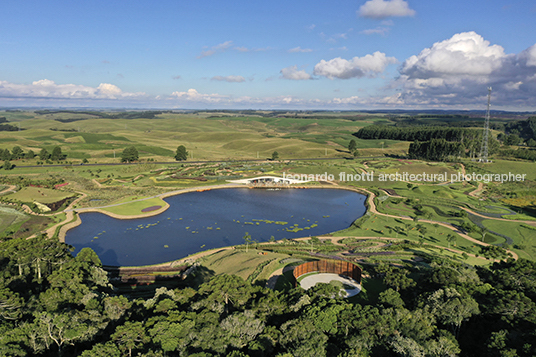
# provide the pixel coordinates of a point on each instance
(53, 304)
(443, 143)
(525, 129)
(420, 133)
(526, 154)
(436, 150)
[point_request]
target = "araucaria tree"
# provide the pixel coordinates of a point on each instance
(181, 153)
(129, 154)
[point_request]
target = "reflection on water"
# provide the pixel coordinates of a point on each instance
(212, 219)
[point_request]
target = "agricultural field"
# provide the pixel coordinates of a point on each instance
(207, 137)
(241, 263)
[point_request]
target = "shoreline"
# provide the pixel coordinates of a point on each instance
(369, 204)
(65, 228)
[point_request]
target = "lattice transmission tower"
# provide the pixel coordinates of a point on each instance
(485, 136)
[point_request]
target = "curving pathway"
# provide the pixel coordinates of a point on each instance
(476, 192)
(8, 189)
(532, 223)
(69, 215)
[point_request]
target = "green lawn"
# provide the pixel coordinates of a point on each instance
(442, 252)
(378, 226)
(238, 262)
(522, 235)
(134, 208)
(39, 194)
(10, 217)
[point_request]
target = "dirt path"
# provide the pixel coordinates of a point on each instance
(99, 185)
(69, 215)
(476, 192)
(8, 189)
(427, 244)
(463, 169)
(532, 223)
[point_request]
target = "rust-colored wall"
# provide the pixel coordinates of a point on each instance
(329, 266)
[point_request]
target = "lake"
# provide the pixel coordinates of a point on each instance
(198, 221)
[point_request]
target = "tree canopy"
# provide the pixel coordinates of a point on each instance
(129, 154)
(54, 304)
(181, 153)
(57, 154)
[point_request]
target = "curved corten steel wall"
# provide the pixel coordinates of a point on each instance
(329, 266)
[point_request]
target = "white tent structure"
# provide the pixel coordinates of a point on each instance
(268, 180)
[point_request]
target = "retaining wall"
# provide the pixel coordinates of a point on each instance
(329, 266)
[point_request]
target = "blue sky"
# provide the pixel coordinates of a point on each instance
(347, 55)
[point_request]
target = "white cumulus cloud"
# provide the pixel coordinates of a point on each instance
(529, 55)
(465, 53)
(380, 9)
(459, 69)
(46, 88)
(357, 67)
(192, 95)
(293, 73)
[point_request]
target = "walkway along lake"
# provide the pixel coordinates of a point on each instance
(197, 221)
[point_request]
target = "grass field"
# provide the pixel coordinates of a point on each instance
(522, 235)
(10, 217)
(135, 208)
(238, 262)
(205, 138)
(227, 137)
(39, 194)
(514, 167)
(381, 226)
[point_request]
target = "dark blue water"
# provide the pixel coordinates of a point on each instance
(199, 221)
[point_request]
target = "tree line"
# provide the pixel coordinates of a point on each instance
(53, 304)
(149, 114)
(7, 127)
(526, 154)
(17, 153)
(420, 133)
